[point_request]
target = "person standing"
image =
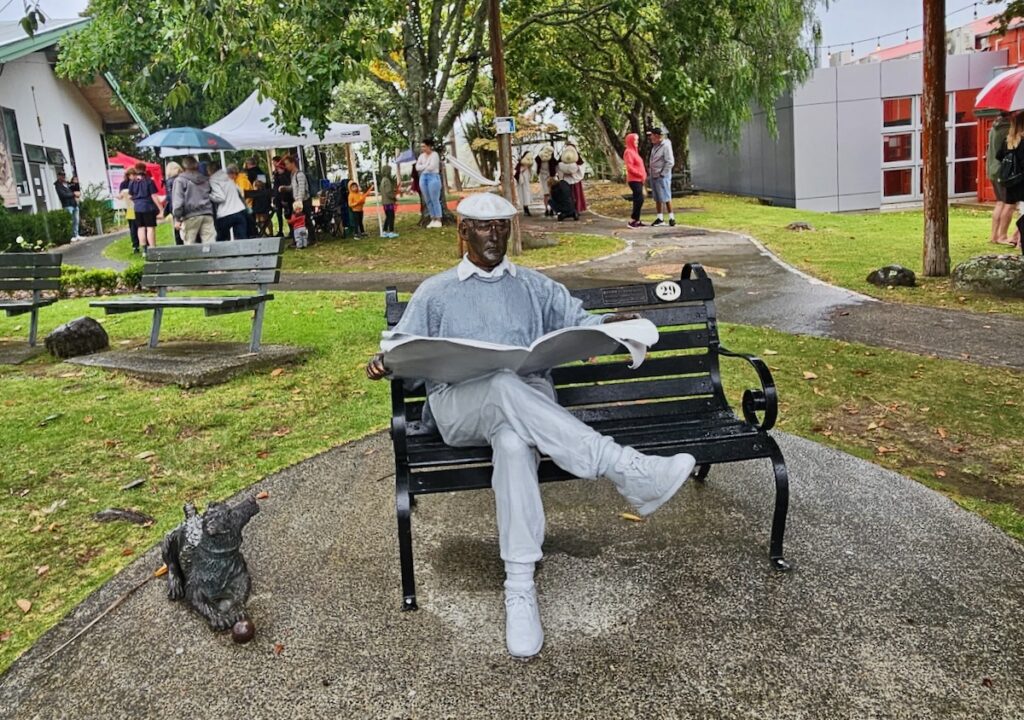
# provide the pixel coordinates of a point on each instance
(636, 174)
(547, 167)
(299, 189)
(1014, 144)
(68, 201)
(569, 172)
(524, 175)
(193, 209)
(229, 208)
(283, 199)
(388, 192)
(129, 208)
(1002, 213)
(357, 201)
(579, 198)
(148, 208)
(661, 162)
(247, 183)
(172, 171)
(428, 164)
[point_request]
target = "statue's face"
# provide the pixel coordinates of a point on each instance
(486, 240)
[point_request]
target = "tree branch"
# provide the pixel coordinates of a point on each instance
(541, 19)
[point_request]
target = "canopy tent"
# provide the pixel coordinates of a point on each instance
(251, 126)
(127, 161)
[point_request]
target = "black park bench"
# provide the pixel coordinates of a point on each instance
(29, 272)
(211, 265)
(674, 402)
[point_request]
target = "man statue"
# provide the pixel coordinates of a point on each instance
(488, 298)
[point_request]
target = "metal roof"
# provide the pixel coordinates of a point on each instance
(15, 43)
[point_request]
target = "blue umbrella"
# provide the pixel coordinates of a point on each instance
(187, 137)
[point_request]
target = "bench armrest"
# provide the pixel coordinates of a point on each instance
(765, 400)
(398, 424)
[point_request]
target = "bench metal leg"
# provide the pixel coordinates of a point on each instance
(33, 327)
(257, 328)
(403, 506)
(700, 472)
(781, 506)
(154, 333)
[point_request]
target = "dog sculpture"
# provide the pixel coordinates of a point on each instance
(205, 564)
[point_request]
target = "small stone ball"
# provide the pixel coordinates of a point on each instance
(243, 631)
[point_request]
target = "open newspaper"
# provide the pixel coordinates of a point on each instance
(450, 360)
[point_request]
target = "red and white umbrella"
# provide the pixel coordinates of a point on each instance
(1003, 92)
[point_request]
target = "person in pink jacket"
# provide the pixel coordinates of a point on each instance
(636, 174)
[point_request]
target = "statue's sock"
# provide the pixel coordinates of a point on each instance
(519, 576)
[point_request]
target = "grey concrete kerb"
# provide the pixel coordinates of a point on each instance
(901, 605)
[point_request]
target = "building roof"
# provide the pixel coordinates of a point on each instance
(906, 49)
(15, 43)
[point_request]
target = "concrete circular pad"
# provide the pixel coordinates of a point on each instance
(901, 605)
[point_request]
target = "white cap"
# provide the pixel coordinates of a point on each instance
(486, 206)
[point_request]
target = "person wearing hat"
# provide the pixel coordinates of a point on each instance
(488, 298)
(660, 163)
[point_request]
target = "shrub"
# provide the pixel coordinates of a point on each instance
(98, 280)
(94, 204)
(37, 229)
(132, 277)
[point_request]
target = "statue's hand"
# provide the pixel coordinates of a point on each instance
(620, 317)
(375, 369)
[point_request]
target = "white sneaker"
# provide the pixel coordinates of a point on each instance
(524, 635)
(648, 481)
(434, 224)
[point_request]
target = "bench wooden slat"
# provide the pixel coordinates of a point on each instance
(248, 262)
(637, 390)
(19, 307)
(30, 284)
(232, 248)
(673, 315)
(682, 340)
(631, 296)
(695, 405)
(143, 302)
(255, 277)
(20, 259)
(36, 271)
(653, 367)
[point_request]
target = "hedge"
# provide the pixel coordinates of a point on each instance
(39, 230)
(101, 281)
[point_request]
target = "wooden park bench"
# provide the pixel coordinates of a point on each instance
(224, 264)
(33, 272)
(672, 403)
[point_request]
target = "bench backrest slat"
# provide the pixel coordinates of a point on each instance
(31, 284)
(619, 370)
(605, 393)
(20, 273)
(25, 259)
(29, 271)
(237, 262)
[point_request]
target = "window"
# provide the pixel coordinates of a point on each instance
(897, 112)
(897, 183)
(965, 177)
(71, 149)
(11, 128)
(897, 148)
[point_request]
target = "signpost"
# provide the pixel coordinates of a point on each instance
(502, 119)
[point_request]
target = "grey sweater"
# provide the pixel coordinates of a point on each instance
(510, 310)
(190, 195)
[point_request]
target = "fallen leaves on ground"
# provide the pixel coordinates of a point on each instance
(277, 372)
(631, 517)
(263, 495)
(808, 375)
(23, 605)
(160, 571)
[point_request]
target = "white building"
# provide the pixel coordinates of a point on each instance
(49, 124)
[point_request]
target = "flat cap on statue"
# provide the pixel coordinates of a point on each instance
(486, 206)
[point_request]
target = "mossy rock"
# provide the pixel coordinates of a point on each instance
(991, 274)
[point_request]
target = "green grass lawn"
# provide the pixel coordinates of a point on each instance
(418, 250)
(843, 247)
(76, 435)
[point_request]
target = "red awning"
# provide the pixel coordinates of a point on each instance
(154, 169)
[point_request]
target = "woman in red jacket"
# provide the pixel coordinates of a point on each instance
(636, 174)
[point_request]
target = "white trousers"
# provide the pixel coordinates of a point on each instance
(518, 416)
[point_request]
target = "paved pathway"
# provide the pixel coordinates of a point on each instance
(88, 252)
(901, 605)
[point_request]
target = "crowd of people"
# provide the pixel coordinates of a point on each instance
(209, 203)
(561, 181)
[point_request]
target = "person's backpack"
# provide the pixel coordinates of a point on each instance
(1011, 174)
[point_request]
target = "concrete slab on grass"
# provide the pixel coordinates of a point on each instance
(15, 352)
(191, 364)
(901, 605)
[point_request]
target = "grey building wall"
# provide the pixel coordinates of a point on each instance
(828, 155)
(760, 165)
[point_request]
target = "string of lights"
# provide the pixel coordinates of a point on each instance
(895, 33)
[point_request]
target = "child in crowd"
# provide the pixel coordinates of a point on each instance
(298, 225)
(261, 206)
(389, 191)
(356, 202)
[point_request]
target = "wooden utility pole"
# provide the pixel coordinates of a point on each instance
(933, 142)
(501, 110)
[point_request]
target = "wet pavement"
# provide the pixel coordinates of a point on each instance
(88, 252)
(901, 605)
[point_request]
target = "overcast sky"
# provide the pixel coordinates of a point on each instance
(843, 22)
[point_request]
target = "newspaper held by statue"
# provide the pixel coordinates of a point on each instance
(450, 360)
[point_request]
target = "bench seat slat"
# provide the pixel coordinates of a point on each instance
(19, 259)
(234, 248)
(256, 277)
(251, 262)
(19, 307)
(31, 284)
(36, 271)
(133, 304)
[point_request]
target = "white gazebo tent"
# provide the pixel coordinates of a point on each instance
(251, 126)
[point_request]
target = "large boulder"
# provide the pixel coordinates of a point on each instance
(83, 336)
(893, 276)
(991, 274)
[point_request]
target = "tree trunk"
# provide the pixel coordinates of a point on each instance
(933, 148)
